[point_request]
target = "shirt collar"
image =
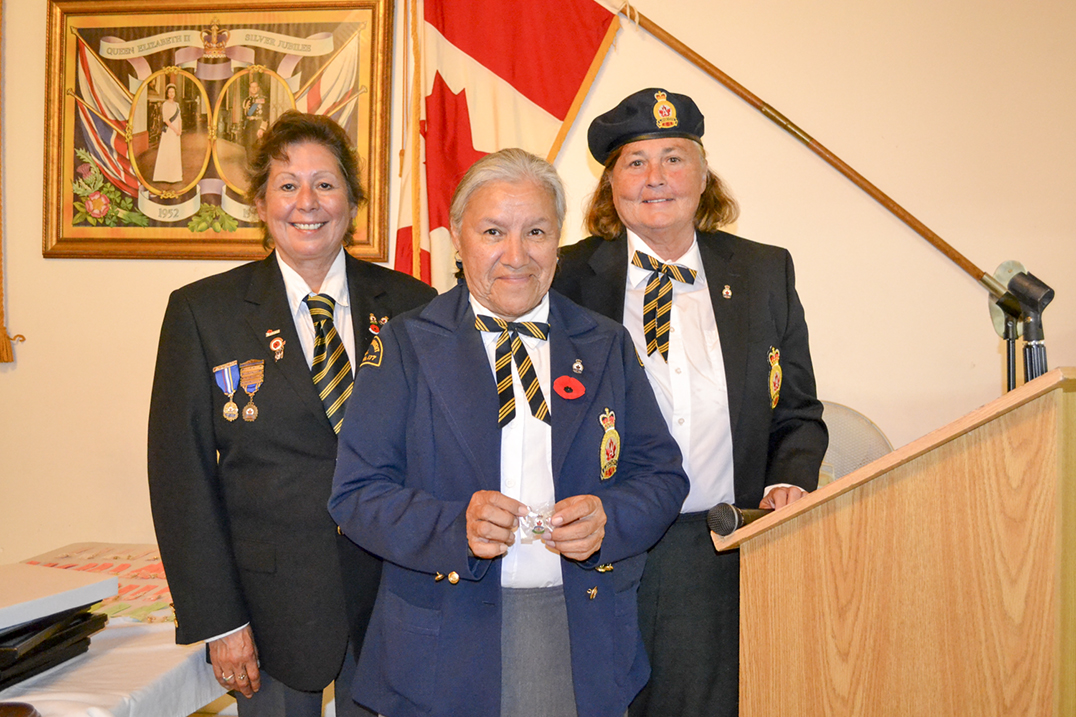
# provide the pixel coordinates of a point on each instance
(335, 283)
(539, 313)
(637, 277)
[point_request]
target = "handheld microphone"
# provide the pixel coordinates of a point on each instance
(725, 518)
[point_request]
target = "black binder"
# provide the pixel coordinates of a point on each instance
(33, 647)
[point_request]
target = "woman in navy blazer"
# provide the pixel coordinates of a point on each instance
(421, 486)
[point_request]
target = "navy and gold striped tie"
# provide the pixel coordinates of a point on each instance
(331, 369)
(510, 331)
(657, 300)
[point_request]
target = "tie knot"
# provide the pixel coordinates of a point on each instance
(675, 271)
(321, 307)
(534, 329)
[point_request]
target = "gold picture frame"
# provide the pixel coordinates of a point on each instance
(150, 115)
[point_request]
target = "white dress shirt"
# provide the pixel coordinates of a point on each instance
(526, 458)
(335, 285)
(690, 388)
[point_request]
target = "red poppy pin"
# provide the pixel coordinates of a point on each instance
(376, 324)
(568, 387)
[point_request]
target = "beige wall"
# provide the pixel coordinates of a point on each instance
(961, 113)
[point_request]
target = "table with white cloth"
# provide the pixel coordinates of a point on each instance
(133, 667)
(131, 670)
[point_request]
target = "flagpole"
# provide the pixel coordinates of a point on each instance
(987, 280)
(595, 65)
(102, 65)
(88, 106)
(336, 53)
(416, 139)
(7, 355)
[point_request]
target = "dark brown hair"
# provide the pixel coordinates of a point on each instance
(293, 128)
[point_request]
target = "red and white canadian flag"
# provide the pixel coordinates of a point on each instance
(490, 74)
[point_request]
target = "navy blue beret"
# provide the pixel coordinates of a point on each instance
(647, 114)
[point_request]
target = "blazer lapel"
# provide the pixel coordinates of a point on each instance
(365, 294)
(723, 268)
(573, 337)
(453, 358)
(610, 265)
(268, 310)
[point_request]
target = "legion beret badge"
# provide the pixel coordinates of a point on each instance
(664, 111)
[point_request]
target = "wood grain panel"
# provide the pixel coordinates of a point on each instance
(1066, 674)
(932, 589)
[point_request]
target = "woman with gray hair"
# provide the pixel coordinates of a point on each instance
(518, 472)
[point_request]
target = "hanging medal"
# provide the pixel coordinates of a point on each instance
(227, 376)
(251, 375)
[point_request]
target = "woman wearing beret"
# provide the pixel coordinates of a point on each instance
(721, 331)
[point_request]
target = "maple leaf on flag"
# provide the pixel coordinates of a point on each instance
(479, 93)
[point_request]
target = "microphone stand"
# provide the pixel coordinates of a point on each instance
(1010, 353)
(1034, 296)
(1030, 297)
(1025, 299)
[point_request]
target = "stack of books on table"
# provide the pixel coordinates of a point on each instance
(45, 617)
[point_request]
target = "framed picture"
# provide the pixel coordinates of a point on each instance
(152, 111)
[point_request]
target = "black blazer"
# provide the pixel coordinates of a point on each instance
(784, 444)
(240, 507)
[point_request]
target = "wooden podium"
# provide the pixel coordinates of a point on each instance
(938, 580)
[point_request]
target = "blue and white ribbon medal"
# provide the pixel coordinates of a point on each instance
(227, 376)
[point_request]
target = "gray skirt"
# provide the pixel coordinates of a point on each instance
(536, 660)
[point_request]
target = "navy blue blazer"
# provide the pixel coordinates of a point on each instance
(403, 483)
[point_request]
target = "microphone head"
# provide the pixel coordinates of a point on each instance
(724, 519)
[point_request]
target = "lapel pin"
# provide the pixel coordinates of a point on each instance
(271, 332)
(568, 387)
(376, 324)
(277, 347)
(726, 292)
(577, 367)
